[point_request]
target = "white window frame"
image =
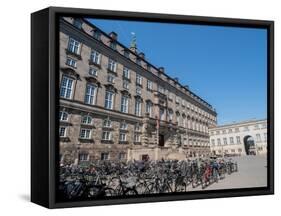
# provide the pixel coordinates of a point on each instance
(90, 94)
(138, 105)
(64, 131)
(137, 137)
(111, 78)
(122, 137)
(124, 104)
(93, 72)
(85, 120)
(148, 108)
(126, 84)
(95, 57)
(74, 46)
(107, 123)
(83, 157)
(71, 62)
(149, 85)
(126, 72)
(112, 65)
(106, 135)
(123, 125)
(66, 88)
(85, 133)
(138, 90)
(138, 79)
(63, 116)
(109, 99)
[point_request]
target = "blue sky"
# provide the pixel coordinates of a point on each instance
(226, 66)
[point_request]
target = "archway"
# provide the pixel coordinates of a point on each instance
(249, 144)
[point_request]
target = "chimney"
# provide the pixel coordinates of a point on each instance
(161, 69)
(141, 55)
(113, 35)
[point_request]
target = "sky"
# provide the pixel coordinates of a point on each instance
(226, 66)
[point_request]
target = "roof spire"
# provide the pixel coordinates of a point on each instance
(133, 45)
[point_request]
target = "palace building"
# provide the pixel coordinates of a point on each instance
(240, 138)
(115, 105)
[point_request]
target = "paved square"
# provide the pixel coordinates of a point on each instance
(252, 172)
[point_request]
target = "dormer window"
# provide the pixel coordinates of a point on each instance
(113, 45)
(77, 23)
(126, 53)
(138, 61)
(97, 34)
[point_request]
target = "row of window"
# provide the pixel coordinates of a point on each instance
(103, 156)
(238, 140)
(245, 128)
(86, 133)
(66, 91)
(74, 46)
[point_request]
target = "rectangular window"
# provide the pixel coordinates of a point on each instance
(112, 65)
(148, 108)
(93, 72)
(258, 137)
(73, 46)
(106, 135)
(137, 127)
(219, 141)
(224, 141)
(138, 79)
(138, 91)
(124, 104)
(107, 123)
(122, 156)
(149, 85)
(231, 140)
(90, 96)
(63, 116)
(238, 140)
(109, 100)
(62, 131)
(161, 89)
(122, 137)
(137, 137)
(123, 126)
(83, 157)
(265, 136)
(138, 108)
(110, 78)
(126, 84)
(213, 142)
(66, 87)
(71, 62)
(104, 156)
(126, 73)
(95, 57)
(162, 116)
(85, 133)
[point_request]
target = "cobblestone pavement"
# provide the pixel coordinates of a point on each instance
(252, 172)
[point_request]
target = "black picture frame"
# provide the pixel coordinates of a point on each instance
(44, 103)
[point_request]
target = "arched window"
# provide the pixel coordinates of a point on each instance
(86, 120)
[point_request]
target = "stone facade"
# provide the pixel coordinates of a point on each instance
(241, 138)
(114, 104)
